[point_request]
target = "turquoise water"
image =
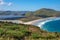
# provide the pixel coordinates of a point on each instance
(52, 26)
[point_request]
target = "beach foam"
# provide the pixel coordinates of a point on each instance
(40, 24)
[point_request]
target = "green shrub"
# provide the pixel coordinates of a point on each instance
(36, 35)
(12, 33)
(1, 31)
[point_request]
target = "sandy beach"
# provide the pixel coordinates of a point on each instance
(30, 22)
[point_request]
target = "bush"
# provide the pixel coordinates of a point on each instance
(1, 31)
(13, 33)
(36, 35)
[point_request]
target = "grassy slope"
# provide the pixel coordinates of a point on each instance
(10, 31)
(41, 13)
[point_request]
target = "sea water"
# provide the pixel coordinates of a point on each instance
(51, 25)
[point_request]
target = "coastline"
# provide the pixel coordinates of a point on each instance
(34, 22)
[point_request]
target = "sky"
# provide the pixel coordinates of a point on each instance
(28, 5)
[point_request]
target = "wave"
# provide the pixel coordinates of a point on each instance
(40, 24)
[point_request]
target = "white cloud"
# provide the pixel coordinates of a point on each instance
(5, 3)
(9, 4)
(2, 2)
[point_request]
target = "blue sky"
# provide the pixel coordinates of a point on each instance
(28, 5)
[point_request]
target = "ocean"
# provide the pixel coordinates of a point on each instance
(51, 26)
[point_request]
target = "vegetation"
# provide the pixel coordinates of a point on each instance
(32, 15)
(44, 12)
(11, 31)
(41, 13)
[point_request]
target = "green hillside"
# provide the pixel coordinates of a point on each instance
(10, 31)
(41, 13)
(33, 15)
(47, 12)
(44, 12)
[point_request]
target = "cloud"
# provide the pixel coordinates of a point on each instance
(5, 3)
(9, 4)
(2, 2)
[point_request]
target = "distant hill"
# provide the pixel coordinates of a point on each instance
(47, 12)
(44, 12)
(41, 13)
(33, 15)
(12, 12)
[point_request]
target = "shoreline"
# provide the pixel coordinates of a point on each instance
(34, 22)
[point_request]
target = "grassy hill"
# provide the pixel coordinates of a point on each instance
(44, 12)
(47, 12)
(33, 15)
(10, 31)
(41, 13)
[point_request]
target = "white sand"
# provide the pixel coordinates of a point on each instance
(34, 22)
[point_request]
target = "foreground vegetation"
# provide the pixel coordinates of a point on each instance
(10, 31)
